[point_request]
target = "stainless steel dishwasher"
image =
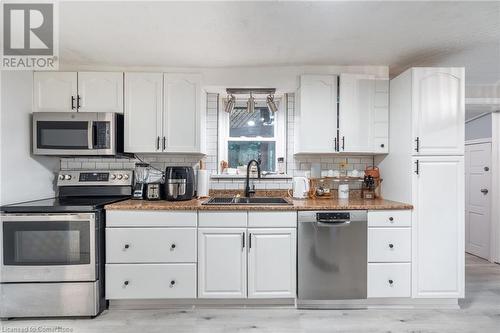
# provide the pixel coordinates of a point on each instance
(332, 258)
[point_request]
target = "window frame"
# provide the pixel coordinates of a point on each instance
(279, 131)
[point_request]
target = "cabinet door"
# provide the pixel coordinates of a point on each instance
(272, 263)
(181, 119)
(143, 112)
(222, 263)
(438, 228)
(54, 91)
(438, 105)
(356, 106)
(316, 116)
(100, 92)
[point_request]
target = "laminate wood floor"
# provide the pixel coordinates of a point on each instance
(479, 312)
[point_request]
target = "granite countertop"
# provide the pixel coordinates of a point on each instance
(297, 204)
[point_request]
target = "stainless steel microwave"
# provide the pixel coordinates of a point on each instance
(77, 133)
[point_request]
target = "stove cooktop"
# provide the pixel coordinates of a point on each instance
(62, 204)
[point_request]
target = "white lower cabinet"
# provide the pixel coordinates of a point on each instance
(247, 262)
(151, 254)
(271, 263)
(222, 263)
(389, 253)
(143, 281)
(389, 280)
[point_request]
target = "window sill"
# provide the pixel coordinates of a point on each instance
(264, 177)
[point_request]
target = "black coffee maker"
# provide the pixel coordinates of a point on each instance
(179, 183)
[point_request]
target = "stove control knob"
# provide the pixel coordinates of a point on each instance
(120, 176)
(113, 176)
(61, 177)
(67, 177)
(125, 177)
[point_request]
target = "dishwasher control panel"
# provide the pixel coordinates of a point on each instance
(330, 216)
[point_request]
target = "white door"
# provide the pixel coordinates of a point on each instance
(100, 92)
(438, 229)
(272, 263)
(143, 112)
(356, 105)
(222, 263)
(438, 111)
(54, 91)
(316, 116)
(181, 120)
(477, 199)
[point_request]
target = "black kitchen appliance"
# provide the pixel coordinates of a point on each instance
(179, 183)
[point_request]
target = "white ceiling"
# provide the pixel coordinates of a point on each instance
(234, 34)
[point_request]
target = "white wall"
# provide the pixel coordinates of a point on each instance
(478, 128)
(23, 176)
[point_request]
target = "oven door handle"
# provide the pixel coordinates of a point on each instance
(12, 217)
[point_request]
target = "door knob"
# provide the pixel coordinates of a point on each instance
(484, 191)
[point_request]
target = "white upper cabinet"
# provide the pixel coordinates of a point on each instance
(222, 263)
(272, 263)
(316, 114)
(438, 234)
(55, 91)
(143, 112)
(100, 92)
(438, 111)
(356, 112)
(182, 113)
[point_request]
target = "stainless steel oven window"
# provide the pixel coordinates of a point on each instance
(46, 243)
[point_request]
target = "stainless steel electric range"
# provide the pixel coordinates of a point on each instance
(52, 250)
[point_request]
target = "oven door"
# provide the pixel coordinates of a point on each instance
(48, 248)
(85, 133)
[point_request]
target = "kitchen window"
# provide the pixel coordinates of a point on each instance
(259, 135)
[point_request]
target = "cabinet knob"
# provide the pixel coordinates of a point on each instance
(126, 246)
(391, 219)
(382, 145)
(172, 246)
(126, 282)
(391, 246)
(391, 282)
(172, 283)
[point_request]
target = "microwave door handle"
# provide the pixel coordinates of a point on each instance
(90, 134)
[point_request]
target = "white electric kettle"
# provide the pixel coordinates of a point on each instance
(300, 187)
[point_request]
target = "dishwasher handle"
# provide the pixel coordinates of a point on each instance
(332, 223)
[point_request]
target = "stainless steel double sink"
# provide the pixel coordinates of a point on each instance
(214, 201)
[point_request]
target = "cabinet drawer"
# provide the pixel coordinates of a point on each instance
(219, 219)
(150, 218)
(389, 280)
(143, 281)
(389, 244)
(389, 218)
(143, 245)
(272, 219)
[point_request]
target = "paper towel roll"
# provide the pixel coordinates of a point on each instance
(202, 187)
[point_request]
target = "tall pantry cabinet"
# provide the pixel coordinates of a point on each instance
(426, 169)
